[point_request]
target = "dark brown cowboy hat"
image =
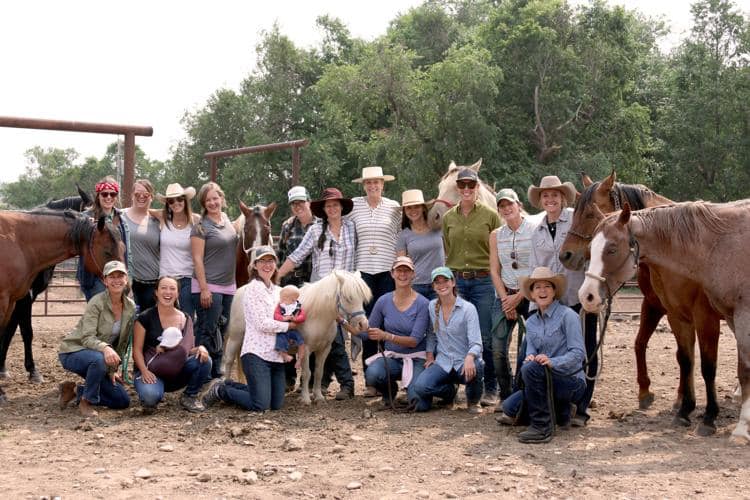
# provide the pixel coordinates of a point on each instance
(316, 206)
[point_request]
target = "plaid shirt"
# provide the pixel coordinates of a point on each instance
(292, 234)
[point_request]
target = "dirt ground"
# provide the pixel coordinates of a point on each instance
(352, 449)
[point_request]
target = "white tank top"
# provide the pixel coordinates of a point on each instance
(176, 258)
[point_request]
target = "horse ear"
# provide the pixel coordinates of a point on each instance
(624, 217)
(100, 223)
(270, 209)
(244, 209)
(86, 200)
(586, 180)
(452, 165)
(609, 181)
(476, 166)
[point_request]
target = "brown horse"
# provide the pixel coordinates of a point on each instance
(682, 300)
(702, 242)
(254, 226)
(33, 241)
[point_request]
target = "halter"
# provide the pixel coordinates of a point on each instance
(344, 312)
(634, 250)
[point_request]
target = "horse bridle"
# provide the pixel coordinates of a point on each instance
(348, 315)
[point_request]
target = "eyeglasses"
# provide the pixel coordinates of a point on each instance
(466, 184)
(107, 194)
(142, 194)
(172, 201)
(513, 254)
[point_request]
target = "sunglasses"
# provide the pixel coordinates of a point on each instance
(107, 194)
(172, 201)
(466, 184)
(142, 194)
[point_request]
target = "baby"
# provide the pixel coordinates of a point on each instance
(290, 309)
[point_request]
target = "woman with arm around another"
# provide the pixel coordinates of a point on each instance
(143, 228)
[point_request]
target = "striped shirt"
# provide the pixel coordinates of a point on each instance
(377, 231)
(517, 243)
(336, 253)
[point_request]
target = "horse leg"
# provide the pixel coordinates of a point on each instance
(684, 334)
(741, 323)
(320, 361)
(708, 340)
(23, 312)
(8, 332)
(305, 382)
(650, 317)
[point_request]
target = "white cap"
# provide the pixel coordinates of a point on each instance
(298, 193)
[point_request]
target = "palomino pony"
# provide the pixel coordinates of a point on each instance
(33, 241)
(254, 226)
(341, 292)
(703, 242)
(448, 195)
(681, 299)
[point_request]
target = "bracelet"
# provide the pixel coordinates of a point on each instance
(393, 338)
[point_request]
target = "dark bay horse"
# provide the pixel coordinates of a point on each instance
(681, 299)
(254, 226)
(21, 316)
(705, 243)
(33, 241)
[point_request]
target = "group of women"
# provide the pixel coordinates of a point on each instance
(445, 301)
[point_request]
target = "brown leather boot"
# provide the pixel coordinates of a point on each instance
(67, 394)
(87, 409)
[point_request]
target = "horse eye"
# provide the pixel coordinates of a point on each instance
(611, 250)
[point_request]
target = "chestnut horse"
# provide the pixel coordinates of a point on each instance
(33, 241)
(682, 300)
(254, 226)
(702, 242)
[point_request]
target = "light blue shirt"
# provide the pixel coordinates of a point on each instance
(454, 340)
(557, 333)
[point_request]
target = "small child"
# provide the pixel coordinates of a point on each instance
(290, 309)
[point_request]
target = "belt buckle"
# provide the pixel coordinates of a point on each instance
(468, 275)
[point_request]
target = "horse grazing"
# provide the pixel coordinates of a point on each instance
(21, 315)
(33, 241)
(341, 292)
(254, 226)
(664, 292)
(703, 242)
(448, 195)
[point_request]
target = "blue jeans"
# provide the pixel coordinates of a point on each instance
(193, 375)
(481, 293)
(283, 340)
(186, 297)
(435, 382)
(265, 387)
(376, 376)
(566, 390)
(425, 290)
(208, 322)
(98, 388)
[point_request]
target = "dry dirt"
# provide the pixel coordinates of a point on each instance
(352, 450)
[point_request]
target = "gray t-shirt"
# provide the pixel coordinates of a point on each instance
(220, 254)
(144, 247)
(425, 249)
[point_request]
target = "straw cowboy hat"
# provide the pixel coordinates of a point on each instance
(175, 191)
(316, 207)
(414, 197)
(542, 274)
(373, 173)
(567, 189)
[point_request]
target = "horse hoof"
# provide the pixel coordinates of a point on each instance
(645, 402)
(36, 378)
(705, 430)
(681, 421)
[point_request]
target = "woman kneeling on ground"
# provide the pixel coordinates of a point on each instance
(94, 349)
(166, 358)
(554, 342)
(454, 348)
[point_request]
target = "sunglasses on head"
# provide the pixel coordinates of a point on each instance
(107, 194)
(466, 184)
(171, 201)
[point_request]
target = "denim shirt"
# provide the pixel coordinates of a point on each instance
(557, 333)
(461, 336)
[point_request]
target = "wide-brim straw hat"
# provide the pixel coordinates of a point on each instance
(373, 173)
(567, 189)
(175, 190)
(316, 206)
(413, 197)
(542, 274)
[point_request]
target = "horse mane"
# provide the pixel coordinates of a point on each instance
(634, 194)
(318, 295)
(69, 203)
(81, 228)
(683, 223)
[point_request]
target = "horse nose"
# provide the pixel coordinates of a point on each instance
(565, 256)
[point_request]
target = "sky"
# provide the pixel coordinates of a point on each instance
(148, 62)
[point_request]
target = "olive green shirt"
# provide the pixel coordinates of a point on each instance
(94, 329)
(467, 239)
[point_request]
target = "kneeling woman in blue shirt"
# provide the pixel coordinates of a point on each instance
(554, 342)
(454, 348)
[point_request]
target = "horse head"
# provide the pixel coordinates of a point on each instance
(256, 229)
(448, 195)
(98, 242)
(351, 296)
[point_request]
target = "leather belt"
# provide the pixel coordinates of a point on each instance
(470, 275)
(511, 291)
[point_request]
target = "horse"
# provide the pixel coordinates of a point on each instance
(702, 242)
(664, 293)
(254, 226)
(448, 195)
(21, 315)
(33, 241)
(340, 293)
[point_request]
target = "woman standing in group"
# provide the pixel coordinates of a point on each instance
(144, 244)
(184, 365)
(213, 243)
(454, 348)
(377, 221)
(105, 200)
(555, 198)
(466, 234)
(95, 348)
(262, 364)
(510, 248)
(176, 256)
(418, 241)
(332, 240)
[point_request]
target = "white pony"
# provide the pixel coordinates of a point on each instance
(340, 292)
